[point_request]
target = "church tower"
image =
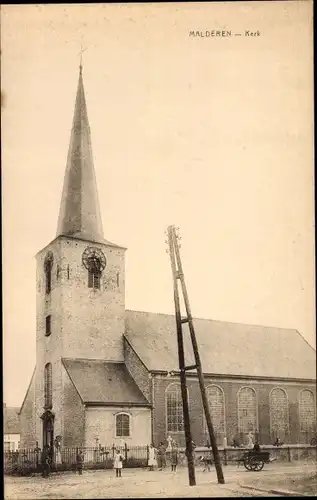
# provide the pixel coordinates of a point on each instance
(80, 283)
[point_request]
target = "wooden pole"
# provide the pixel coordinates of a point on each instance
(198, 364)
(181, 358)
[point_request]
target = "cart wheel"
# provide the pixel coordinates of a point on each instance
(247, 464)
(256, 464)
(260, 465)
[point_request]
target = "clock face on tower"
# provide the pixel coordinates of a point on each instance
(94, 259)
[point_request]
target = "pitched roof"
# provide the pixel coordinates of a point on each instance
(104, 383)
(11, 421)
(225, 348)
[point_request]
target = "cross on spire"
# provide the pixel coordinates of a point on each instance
(82, 50)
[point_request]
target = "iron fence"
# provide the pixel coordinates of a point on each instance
(28, 461)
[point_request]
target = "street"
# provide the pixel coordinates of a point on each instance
(140, 483)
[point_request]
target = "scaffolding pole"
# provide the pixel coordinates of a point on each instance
(177, 271)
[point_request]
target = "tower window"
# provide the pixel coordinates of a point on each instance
(48, 386)
(94, 261)
(48, 265)
(94, 279)
(48, 322)
(94, 272)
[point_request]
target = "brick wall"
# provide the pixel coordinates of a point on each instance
(138, 371)
(230, 388)
(85, 323)
(73, 415)
(93, 321)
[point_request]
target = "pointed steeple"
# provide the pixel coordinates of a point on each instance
(79, 214)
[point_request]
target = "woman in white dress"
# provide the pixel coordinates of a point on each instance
(118, 463)
(152, 458)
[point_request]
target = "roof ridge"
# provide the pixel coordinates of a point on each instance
(298, 332)
(219, 321)
(94, 360)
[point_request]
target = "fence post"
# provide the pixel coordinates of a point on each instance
(113, 450)
(126, 451)
(147, 453)
(289, 454)
(37, 455)
(225, 456)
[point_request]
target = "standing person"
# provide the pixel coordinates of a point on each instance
(256, 446)
(250, 440)
(161, 456)
(169, 444)
(152, 460)
(79, 461)
(118, 463)
(45, 461)
(168, 449)
(235, 443)
(174, 457)
(57, 446)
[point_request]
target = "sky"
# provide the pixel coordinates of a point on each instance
(212, 134)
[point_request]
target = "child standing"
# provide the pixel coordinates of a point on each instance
(79, 461)
(152, 462)
(174, 457)
(118, 463)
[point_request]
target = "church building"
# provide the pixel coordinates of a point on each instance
(110, 374)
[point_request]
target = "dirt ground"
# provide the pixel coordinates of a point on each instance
(140, 483)
(303, 483)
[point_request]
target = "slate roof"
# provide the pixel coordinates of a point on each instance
(225, 348)
(11, 421)
(79, 214)
(104, 383)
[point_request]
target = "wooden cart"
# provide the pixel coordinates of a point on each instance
(255, 460)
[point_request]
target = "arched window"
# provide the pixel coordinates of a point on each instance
(48, 386)
(123, 425)
(279, 413)
(216, 402)
(94, 272)
(247, 410)
(174, 408)
(48, 265)
(307, 411)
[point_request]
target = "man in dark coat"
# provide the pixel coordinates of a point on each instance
(79, 461)
(45, 461)
(161, 456)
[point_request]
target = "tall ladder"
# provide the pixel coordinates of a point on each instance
(178, 276)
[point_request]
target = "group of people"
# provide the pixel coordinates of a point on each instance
(159, 457)
(47, 459)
